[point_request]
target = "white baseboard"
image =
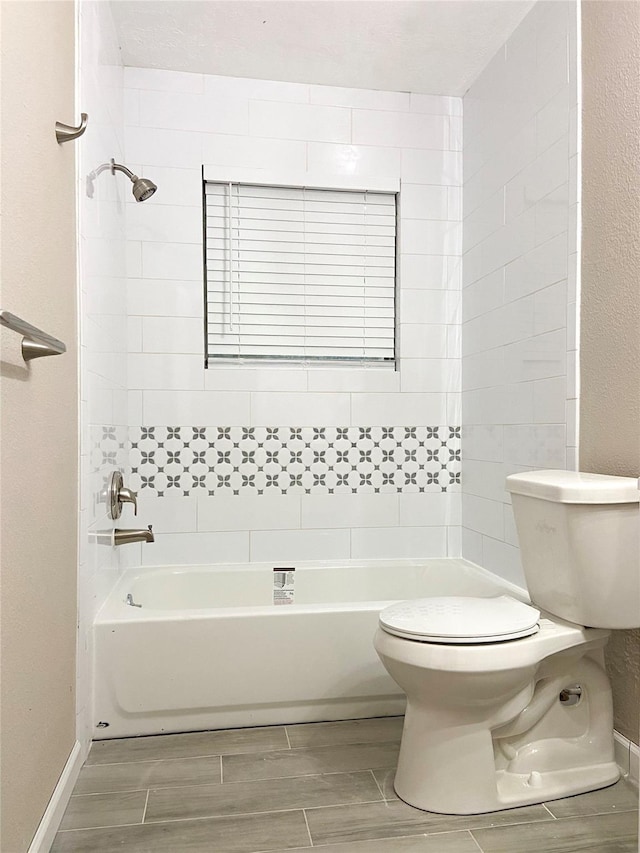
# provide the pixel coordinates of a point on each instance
(627, 755)
(43, 839)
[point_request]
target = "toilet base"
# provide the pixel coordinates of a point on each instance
(485, 742)
(519, 789)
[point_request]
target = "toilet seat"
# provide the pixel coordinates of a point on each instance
(454, 620)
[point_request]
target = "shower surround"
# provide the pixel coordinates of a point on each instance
(368, 460)
(242, 463)
(520, 295)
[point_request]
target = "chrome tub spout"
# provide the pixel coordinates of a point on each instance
(123, 537)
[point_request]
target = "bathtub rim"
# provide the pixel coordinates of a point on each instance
(114, 609)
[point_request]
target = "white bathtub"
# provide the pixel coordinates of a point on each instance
(208, 649)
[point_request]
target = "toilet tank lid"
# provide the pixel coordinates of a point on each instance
(574, 487)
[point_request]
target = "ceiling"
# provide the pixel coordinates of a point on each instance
(433, 47)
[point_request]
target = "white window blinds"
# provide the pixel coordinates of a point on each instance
(301, 274)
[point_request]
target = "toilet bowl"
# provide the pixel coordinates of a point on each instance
(508, 703)
(485, 728)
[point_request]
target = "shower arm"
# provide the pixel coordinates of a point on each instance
(116, 167)
(113, 168)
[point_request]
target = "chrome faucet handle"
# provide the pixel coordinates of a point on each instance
(126, 496)
(118, 494)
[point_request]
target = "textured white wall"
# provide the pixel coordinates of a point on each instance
(519, 275)
(610, 334)
(175, 122)
(39, 449)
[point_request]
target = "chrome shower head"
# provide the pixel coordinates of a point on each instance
(143, 188)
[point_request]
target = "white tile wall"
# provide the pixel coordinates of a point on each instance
(201, 548)
(271, 408)
(519, 276)
(360, 510)
(279, 545)
(372, 544)
(177, 408)
(102, 329)
(177, 122)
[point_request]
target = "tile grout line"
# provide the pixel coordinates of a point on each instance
(341, 806)
(304, 812)
(379, 786)
(286, 732)
(187, 784)
(268, 811)
(98, 826)
(221, 816)
(475, 840)
(295, 809)
(546, 808)
(221, 771)
(146, 803)
(253, 752)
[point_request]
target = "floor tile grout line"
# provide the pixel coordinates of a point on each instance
(310, 775)
(252, 752)
(294, 776)
(178, 820)
(267, 811)
(99, 826)
(158, 760)
(237, 814)
(475, 840)
(334, 805)
(592, 814)
(385, 838)
(330, 805)
(622, 810)
(121, 790)
(311, 808)
(146, 803)
(287, 736)
(187, 784)
(306, 822)
(166, 738)
(378, 784)
(307, 808)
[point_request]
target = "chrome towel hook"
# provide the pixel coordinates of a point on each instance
(66, 132)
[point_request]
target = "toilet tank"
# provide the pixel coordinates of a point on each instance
(579, 538)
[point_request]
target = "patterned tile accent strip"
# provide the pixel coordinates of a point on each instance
(217, 460)
(108, 447)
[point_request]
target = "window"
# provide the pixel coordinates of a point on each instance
(299, 274)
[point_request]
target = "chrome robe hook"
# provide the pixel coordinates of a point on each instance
(66, 132)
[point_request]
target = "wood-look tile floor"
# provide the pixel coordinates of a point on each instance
(293, 788)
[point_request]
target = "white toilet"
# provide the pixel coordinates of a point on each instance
(507, 704)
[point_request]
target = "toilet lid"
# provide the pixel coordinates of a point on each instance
(457, 619)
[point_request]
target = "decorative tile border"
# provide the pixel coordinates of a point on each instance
(108, 447)
(294, 460)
